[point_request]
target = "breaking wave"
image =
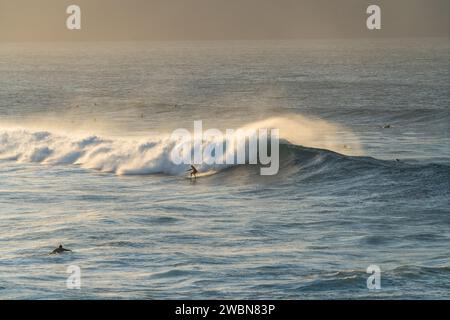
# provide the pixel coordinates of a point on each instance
(151, 155)
(311, 150)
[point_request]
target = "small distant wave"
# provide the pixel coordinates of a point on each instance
(420, 271)
(398, 282)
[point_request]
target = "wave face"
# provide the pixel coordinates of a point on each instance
(394, 176)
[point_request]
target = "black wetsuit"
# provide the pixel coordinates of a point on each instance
(60, 250)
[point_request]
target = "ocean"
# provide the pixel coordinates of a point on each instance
(364, 173)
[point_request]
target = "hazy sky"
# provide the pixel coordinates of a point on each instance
(219, 19)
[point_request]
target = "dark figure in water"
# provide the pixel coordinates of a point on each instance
(193, 171)
(60, 250)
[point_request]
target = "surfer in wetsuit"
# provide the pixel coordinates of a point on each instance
(193, 171)
(60, 250)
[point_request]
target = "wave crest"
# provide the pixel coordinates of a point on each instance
(152, 155)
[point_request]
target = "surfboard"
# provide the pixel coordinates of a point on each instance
(203, 174)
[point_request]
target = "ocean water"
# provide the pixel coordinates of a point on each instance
(364, 170)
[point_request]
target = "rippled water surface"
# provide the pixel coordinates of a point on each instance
(364, 170)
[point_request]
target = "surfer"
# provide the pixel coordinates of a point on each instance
(60, 250)
(193, 171)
